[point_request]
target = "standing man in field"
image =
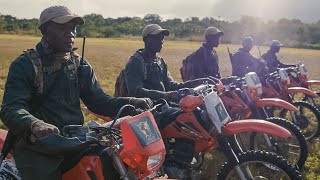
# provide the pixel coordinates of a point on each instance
(147, 75)
(204, 62)
(271, 58)
(43, 91)
(242, 61)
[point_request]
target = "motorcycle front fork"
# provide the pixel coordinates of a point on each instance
(113, 151)
(232, 157)
(294, 118)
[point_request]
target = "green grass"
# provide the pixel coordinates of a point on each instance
(108, 57)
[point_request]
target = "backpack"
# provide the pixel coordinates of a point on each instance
(120, 87)
(186, 70)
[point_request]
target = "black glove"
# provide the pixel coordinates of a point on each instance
(142, 103)
(172, 96)
(40, 129)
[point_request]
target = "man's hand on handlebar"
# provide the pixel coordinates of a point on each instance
(40, 129)
(143, 103)
(173, 96)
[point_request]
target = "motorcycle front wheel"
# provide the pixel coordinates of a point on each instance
(315, 101)
(258, 165)
(294, 149)
(307, 119)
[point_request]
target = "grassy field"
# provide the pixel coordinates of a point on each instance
(108, 57)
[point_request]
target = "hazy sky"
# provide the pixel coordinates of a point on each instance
(306, 10)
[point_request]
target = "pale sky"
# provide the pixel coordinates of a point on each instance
(306, 10)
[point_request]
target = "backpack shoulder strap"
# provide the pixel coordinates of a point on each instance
(35, 59)
(76, 59)
(144, 65)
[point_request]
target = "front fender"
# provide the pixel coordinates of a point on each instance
(313, 82)
(276, 102)
(255, 125)
(302, 90)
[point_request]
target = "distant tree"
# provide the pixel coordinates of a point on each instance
(209, 21)
(152, 19)
(3, 24)
(314, 33)
(187, 29)
(171, 23)
(132, 27)
(95, 19)
(292, 32)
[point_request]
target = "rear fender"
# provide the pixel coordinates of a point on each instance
(255, 125)
(313, 82)
(302, 90)
(275, 102)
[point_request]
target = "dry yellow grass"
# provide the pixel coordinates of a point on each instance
(108, 57)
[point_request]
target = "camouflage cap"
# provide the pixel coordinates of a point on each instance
(212, 31)
(276, 43)
(153, 29)
(60, 15)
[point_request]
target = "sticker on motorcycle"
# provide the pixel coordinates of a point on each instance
(145, 131)
(221, 112)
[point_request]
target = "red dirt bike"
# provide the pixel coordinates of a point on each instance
(242, 97)
(132, 146)
(308, 116)
(202, 118)
(299, 78)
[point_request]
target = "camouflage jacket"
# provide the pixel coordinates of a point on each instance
(272, 61)
(150, 82)
(61, 106)
(207, 64)
(242, 63)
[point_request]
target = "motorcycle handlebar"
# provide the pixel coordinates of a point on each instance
(56, 144)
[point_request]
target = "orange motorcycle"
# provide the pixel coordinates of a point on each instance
(202, 118)
(131, 148)
(242, 97)
(299, 78)
(307, 118)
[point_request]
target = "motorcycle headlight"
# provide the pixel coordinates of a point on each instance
(155, 160)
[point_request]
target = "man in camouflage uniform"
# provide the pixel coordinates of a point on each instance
(205, 59)
(242, 61)
(46, 106)
(271, 58)
(147, 75)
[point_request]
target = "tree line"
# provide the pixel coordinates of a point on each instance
(292, 32)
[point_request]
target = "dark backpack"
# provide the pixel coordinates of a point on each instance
(186, 70)
(120, 88)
